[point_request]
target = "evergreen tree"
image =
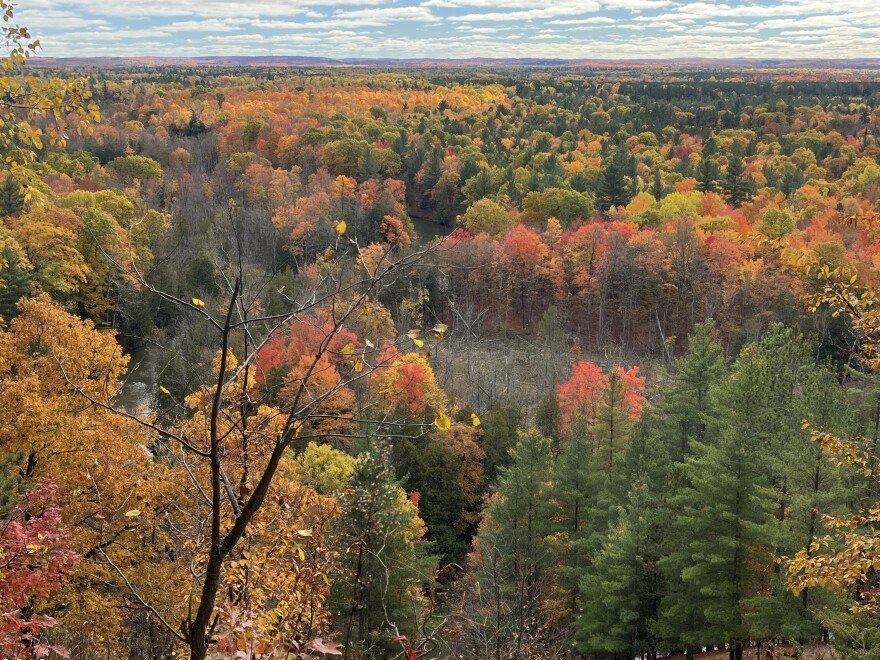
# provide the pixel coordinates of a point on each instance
(667, 434)
(434, 168)
(612, 187)
(500, 429)
(511, 553)
(196, 126)
(382, 579)
(11, 197)
(367, 168)
(15, 283)
(752, 490)
(782, 366)
(592, 480)
(623, 584)
(707, 175)
(658, 188)
(686, 401)
(428, 467)
(469, 167)
(792, 179)
(547, 417)
(613, 426)
(723, 514)
(770, 175)
(738, 187)
(569, 500)
(478, 186)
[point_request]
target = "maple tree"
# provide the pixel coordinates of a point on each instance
(35, 562)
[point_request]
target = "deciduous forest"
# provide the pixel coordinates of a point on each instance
(438, 362)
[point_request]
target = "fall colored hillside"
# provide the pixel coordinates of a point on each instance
(616, 397)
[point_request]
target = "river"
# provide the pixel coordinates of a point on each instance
(140, 388)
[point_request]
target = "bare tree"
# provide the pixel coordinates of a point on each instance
(232, 451)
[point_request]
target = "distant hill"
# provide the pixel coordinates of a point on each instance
(301, 61)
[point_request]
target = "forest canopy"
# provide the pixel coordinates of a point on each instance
(437, 362)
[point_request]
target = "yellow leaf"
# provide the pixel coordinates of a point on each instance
(32, 547)
(302, 554)
(134, 513)
(359, 365)
(198, 302)
(439, 330)
(341, 227)
(442, 422)
(474, 419)
(414, 335)
(164, 390)
(304, 532)
(348, 349)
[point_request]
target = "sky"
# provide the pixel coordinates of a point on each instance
(588, 29)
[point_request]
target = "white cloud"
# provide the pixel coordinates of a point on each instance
(551, 11)
(209, 25)
(636, 5)
(52, 19)
(593, 20)
(390, 14)
(458, 28)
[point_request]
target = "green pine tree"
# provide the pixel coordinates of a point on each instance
(737, 186)
(658, 188)
(15, 283)
(379, 591)
(686, 401)
(367, 167)
(433, 168)
(500, 429)
(512, 553)
(782, 367)
(621, 590)
(612, 187)
(708, 175)
(11, 197)
(569, 499)
(720, 531)
(678, 420)
(612, 428)
(723, 522)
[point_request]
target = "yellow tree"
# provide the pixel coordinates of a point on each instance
(118, 501)
(35, 111)
(847, 558)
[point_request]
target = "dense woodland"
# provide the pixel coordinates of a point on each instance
(439, 363)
